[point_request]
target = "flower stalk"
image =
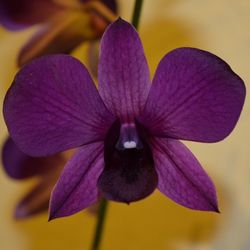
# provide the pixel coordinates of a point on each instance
(137, 13)
(100, 224)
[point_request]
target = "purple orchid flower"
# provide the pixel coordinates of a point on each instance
(129, 132)
(64, 23)
(20, 166)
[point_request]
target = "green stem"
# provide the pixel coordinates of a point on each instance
(100, 223)
(137, 13)
(104, 203)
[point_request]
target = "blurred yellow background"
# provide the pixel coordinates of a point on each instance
(156, 223)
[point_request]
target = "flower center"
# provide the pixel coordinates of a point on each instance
(129, 172)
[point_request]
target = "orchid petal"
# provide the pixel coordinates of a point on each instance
(62, 34)
(194, 96)
(181, 176)
(21, 166)
(76, 188)
(111, 4)
(53, 105)
(36, 201)
(19, 14)
(123, 72)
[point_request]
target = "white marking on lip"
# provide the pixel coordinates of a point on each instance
(129, 144)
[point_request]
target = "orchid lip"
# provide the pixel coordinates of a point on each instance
(129, 173)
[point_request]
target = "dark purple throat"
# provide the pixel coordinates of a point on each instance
(129, 173)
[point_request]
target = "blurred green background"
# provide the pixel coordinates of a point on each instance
(156, 223)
